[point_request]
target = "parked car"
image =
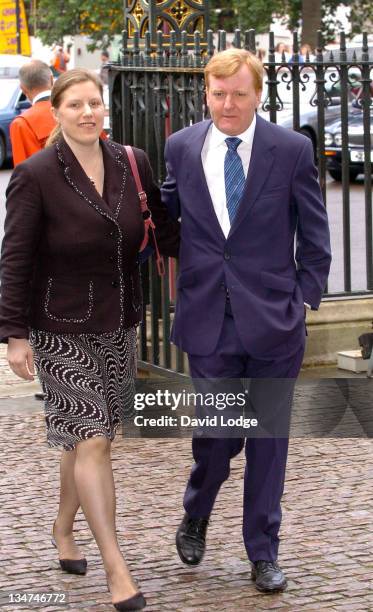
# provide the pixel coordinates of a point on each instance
(10, 65)
(309, 122)
(12, 102)
(333, 145)
(309, 114)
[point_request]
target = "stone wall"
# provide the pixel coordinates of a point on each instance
(335, 327)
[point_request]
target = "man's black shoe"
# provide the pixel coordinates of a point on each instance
(190, 539)
(268, 577)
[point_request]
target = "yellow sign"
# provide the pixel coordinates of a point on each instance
(8, 28)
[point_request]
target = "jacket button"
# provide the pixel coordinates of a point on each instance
(112, 233)
(114, 284)
(227, 256)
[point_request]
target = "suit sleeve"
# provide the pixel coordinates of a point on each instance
(24, 141)
(313, 253)
(167, 228)
(170, 195)
(20, 242)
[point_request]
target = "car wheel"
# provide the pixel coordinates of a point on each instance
(353, 175)
(312, 137)
(2, 151)
(337, 175)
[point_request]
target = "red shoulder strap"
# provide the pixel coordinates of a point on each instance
(147, 215)
(135, 171)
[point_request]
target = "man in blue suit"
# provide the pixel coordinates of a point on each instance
(254, 251)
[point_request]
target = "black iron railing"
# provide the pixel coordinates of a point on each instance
(157, 91)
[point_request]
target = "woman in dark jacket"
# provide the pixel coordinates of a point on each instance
(71, 300)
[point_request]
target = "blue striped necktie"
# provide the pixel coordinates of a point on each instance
(234, 176)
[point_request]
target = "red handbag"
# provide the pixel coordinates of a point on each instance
(146, 213)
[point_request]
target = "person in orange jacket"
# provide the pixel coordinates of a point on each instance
(60, 60)
(29, 131)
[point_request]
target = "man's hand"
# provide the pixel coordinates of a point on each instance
(20, 358)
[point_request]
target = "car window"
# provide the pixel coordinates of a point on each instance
(9, 72)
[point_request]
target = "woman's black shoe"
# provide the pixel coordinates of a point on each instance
(137, 602)
(72, 566)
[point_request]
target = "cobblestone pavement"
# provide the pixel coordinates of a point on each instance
(10, 385)
(327, 533)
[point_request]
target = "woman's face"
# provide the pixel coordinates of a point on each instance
(81, 113)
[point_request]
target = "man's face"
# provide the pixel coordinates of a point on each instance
(232, 101)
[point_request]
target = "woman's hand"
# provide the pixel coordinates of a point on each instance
(20, 358)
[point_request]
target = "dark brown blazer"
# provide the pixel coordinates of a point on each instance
(69, 259)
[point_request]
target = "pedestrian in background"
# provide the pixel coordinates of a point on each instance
(281, 53)
(71, 300)
(30, 130)
(60, 59)
(104, 74)
(305, 55)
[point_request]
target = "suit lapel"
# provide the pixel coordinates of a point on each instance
(261, 161)
(115, 177)
(116, 170)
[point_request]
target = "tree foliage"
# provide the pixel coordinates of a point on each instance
(98, 19)
(259, 14)
(361, 16)
(101, 19)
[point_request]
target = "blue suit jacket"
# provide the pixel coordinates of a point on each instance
(268, 276)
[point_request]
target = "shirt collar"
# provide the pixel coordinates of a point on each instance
(42, 94)
(218, 137)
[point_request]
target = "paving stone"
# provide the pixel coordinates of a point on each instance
(327, 531)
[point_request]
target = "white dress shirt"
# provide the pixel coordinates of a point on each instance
(213, 155)
(42, 94)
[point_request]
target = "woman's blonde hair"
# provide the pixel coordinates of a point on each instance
(226, 63)
(62, 84)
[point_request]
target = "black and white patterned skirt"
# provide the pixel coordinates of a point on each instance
(88, 381)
